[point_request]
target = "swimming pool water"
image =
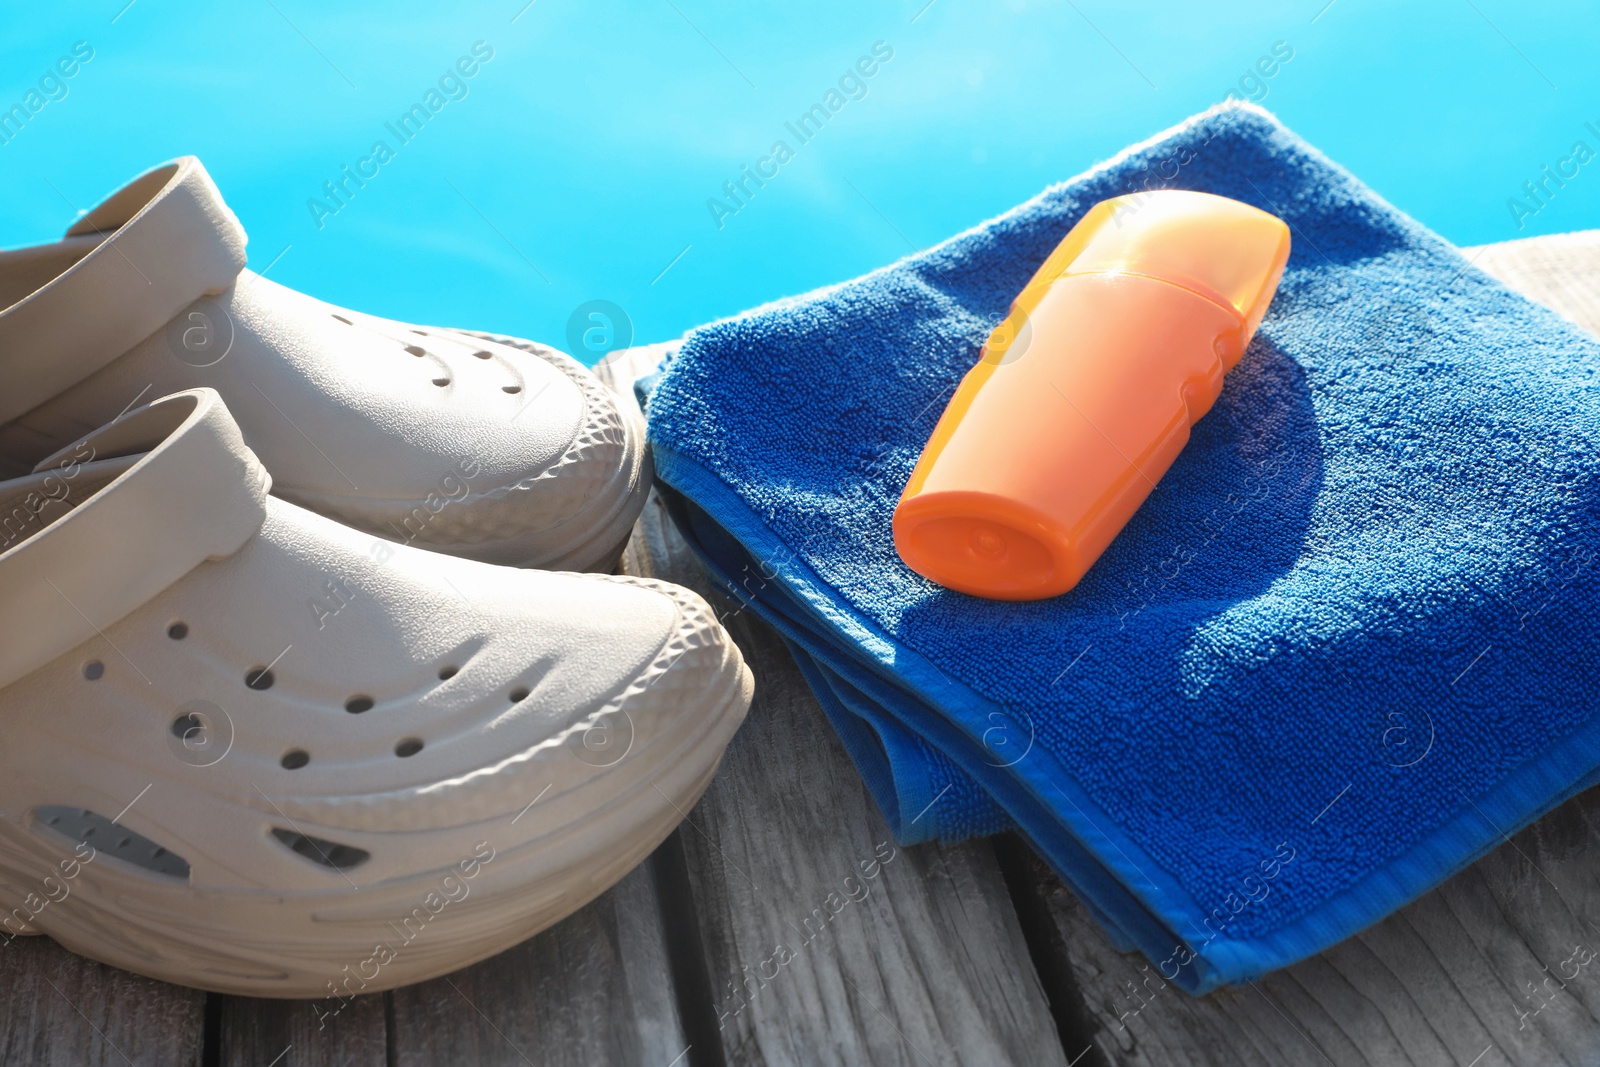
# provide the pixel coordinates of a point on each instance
(589, 173)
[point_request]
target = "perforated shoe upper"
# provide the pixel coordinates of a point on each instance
(488, 447)
(258, 676)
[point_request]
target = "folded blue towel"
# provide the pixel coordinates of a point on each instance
(1346, 646)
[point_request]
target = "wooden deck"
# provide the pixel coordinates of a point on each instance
(970, 954)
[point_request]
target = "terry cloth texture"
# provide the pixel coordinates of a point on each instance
(1346, 646)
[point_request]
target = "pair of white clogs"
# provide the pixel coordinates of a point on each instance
(287, 710)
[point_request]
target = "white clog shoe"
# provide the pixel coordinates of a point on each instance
(482, 446)
(252, 750)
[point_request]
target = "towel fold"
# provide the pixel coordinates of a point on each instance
(1345, 647)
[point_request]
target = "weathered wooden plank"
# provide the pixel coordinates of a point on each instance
(595, 988)
(1561, 272)
(824, 943)
(60, 1010)
(1499, 965)
(300, 1033)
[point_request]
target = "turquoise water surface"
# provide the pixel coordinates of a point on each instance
(505, 164)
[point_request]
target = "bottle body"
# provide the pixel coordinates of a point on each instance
(1081, 401)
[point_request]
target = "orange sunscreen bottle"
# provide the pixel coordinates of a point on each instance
(1084, 395)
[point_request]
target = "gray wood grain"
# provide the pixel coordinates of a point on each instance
(593, 989)
(60, 1010)
(824, 943)
(256, 1032)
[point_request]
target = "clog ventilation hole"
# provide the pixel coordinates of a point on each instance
(83, 826)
